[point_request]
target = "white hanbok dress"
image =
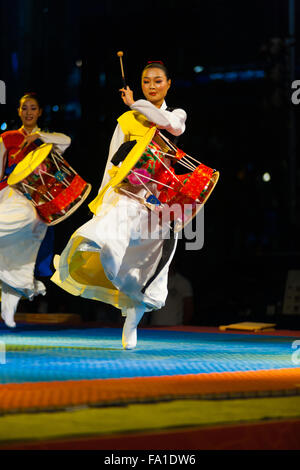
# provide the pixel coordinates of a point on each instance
(21, 233)
(109, 258)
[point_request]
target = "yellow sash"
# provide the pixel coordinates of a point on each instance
(135, 127)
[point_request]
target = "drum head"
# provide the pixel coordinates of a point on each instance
(29, 164)
(192, 210)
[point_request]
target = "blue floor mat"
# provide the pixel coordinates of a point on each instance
(39, 354)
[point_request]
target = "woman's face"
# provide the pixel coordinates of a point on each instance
(29, 112)
(155, 85)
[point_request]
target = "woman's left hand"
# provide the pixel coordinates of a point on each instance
(28, 139)
(127, 96)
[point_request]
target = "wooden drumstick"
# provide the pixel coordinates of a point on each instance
(120, 55)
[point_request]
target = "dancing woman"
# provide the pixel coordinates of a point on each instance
(21, 230)
(108, 259)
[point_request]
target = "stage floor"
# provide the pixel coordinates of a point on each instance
(178, 380)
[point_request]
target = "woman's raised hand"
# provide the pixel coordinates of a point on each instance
(127, 96)
(28, 139)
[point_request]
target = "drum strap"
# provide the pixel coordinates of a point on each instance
(10, 169)
(167, 250)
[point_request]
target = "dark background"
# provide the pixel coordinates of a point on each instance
(240, 121)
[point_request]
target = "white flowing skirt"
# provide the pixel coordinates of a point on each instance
(21, 233)
(129, 249)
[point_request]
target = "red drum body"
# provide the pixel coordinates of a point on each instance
(183, 195)
(50, 183)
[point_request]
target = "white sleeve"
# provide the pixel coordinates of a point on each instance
(2, 157)
(117, 140)
(172, 121)
(60, 141)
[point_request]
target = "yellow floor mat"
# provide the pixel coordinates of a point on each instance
(144, 417)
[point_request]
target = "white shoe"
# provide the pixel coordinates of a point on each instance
(9, 302)
(129, 334)
(8, 319)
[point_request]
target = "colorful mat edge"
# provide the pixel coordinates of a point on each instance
(37, 396)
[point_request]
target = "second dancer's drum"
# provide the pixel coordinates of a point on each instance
(48, 181)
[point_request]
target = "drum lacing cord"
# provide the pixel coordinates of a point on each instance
(151, 179)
